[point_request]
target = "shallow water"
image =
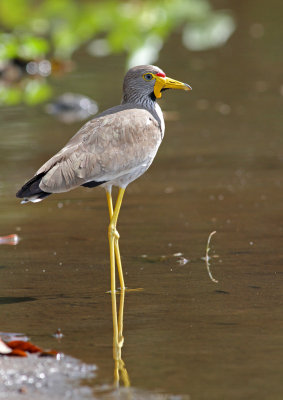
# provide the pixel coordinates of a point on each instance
(42, 378)
(219, 168)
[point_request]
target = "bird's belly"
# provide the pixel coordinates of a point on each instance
(126, 177)
(133, 167)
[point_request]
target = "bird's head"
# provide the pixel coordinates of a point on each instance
(148, 81)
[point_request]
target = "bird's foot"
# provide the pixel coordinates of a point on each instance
(113, 233)
(120, 341)
(117, 350)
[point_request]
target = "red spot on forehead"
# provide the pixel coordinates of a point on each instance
(161, 74)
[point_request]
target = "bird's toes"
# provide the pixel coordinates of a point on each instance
(121, 341)
(113, 233)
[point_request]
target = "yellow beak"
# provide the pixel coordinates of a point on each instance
(168, 83)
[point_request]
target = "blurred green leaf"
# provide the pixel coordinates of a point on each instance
(10, 96)
(36, 91)
(8, 46)
(32, 47)
(14, 13)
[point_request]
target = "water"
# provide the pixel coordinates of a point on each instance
(219, 168)
(44, 378)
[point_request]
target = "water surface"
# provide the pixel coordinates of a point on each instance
(219, 168)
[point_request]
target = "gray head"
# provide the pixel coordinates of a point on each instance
(143, 85)
(139, 83)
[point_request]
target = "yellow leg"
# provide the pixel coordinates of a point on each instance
(118, 338)
(113, 236)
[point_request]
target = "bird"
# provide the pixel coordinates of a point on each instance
(113, 149)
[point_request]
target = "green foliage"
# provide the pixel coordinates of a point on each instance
(31, 47)
(64, 25)
(26, 47)
(33, 30)
(36, 91)
(30, 91)
(15, 13)
(10, 95)
(9, 46)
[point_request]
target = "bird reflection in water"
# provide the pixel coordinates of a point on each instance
(120, 371)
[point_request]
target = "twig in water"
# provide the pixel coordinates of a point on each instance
(207, 258)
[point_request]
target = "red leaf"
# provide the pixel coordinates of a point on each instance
(17, 352)
(26, 346)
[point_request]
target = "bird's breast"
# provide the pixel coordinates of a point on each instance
(161, 118)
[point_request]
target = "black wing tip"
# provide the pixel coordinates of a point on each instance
(32, 190)
(93, 184)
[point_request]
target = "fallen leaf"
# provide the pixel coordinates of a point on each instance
(4, 349)
(17, 352)
(10, 239)
(25, 346)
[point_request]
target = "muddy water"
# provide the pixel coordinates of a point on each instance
(219, 168)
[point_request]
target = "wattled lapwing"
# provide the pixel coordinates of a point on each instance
(113, 149)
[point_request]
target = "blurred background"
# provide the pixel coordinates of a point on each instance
(219, 168)
(43, 39)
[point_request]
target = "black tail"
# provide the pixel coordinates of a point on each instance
(31, 190)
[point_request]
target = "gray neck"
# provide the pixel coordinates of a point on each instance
(148, 102)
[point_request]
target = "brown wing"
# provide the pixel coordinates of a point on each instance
(104, 148)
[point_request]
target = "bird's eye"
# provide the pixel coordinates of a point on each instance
(147, 77)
